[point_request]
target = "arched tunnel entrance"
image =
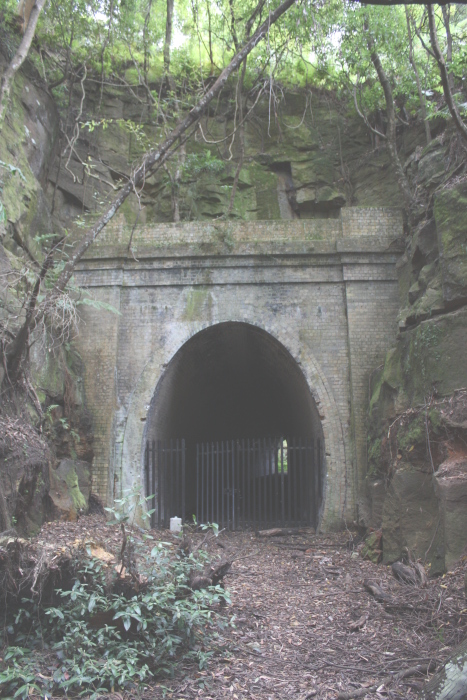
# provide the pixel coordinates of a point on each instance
(252, 451)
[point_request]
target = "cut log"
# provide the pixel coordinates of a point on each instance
(421, 574)
(275, 532)
(376, 591)
(404, 573)
(212, 576)
(449, 683)
(218, 571)
(359, 624)
(405, 673)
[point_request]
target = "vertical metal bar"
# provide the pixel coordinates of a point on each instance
(168, 471)
(265, 484)
(306, 483)
(152, 470)
(213, 490)
(202, 483)
(176, 466)
(306, 478)
(165, 477)
(282, 483)
(257, 455)
(319, 474)
(147, 474)
(227, 481)
(217, 483)
(172, 458)
(197, 483)
(315, 480)
(300, 480)
(146, 469)
(277, 478)
(270, 481)
(311, 472)
(179, 478)
(248, 481)
(233, 486)
(222, 482)
(163, 482)
(289, 480)
(291, 484)
(295, 469)
(183, 481)
(208, 500)
(243, 483)
(159, 485)
(277, 481)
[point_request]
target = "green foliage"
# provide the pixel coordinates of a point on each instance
(198, 163)
(95, 638)
(412, 432)
(374, 456)
(12, 170)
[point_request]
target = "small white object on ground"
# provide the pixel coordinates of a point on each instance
(175, 524)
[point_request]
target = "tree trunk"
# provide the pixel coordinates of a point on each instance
(14, 352)
(211, 56)
(391, 128)
(448, 96)
(421, 96)
(20, 55)
(168, 34)
(447, 26)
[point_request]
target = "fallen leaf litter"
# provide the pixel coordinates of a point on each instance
(304, 626)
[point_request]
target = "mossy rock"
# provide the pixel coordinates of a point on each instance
(451, 222)
(372, 548)
(70, 486)
(388, 383)
(433, 356)
(451, 488)
(411, 519)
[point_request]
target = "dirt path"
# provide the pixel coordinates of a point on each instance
(305, 627)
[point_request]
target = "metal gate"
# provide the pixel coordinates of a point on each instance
(240, 484)
(258, 483)
(164, 466)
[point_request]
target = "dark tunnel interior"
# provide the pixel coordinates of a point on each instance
(231, 381)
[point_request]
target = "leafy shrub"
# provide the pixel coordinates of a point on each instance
(105, 632)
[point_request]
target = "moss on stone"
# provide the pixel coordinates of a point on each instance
(412, 433)
(78, 500)
(434, 355)
(196, 301)
(374, 456)
(450, 210)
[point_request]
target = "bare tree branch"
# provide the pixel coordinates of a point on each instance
(445, 81)
(20, 55)
(14, 352)
(155, 158)
(391, 117)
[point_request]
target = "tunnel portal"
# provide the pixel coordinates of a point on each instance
(252, 450)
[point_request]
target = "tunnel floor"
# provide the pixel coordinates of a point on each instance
(252, 436)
